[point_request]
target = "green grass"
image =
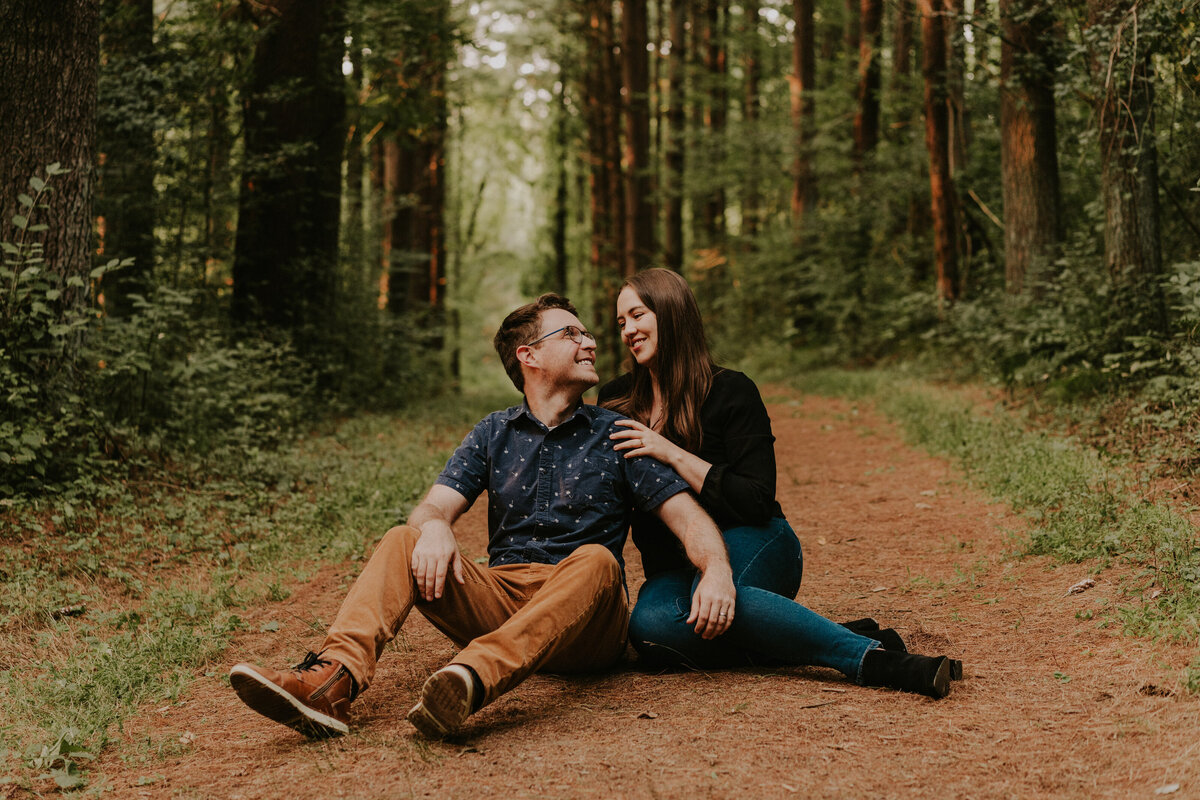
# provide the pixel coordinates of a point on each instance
(104, 609)
(1082, 507)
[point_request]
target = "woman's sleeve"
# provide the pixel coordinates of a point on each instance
(743, 487)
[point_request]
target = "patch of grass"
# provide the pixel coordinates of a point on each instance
(1081, 506)
(108, 607)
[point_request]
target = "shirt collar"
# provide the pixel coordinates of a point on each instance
(586, 410)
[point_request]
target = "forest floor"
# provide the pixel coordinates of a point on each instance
(1055, 702)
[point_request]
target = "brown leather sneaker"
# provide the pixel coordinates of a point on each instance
(314, 698)
(447, 699)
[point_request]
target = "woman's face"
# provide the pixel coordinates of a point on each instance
(639, 327)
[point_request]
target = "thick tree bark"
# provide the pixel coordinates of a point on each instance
(125, 191)
(1124, 74)
(1028, 144)
(866, 118)
(289, 211)
(943, 201)
(639, 189)
(803, 78)
(50, 57)
(676, 136)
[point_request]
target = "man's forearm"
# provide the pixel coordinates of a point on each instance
(704, 546)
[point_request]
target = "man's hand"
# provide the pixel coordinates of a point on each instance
(435, 554)
(713, 603)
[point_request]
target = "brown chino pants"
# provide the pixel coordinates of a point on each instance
(510, 621)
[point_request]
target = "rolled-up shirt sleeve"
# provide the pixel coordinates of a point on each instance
(467, 470)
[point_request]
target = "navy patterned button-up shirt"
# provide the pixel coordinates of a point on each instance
(550, 491)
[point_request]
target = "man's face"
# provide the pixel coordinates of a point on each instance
(563, 360)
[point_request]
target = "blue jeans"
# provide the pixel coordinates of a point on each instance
(768, 626)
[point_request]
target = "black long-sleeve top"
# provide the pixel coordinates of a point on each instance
(739, 488)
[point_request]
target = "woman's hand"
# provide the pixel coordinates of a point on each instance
(641, 440)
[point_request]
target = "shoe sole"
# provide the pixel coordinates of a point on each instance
(941, 680)
(955, 670)
(442, 708)
(274, 703)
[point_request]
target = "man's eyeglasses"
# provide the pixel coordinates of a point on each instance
(576, 335)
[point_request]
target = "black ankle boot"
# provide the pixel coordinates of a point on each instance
(888, 638)
(864, 626)
(908, 672)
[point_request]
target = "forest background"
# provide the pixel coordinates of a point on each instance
(226, 223)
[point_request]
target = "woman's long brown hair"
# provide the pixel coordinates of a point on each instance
(685, 367)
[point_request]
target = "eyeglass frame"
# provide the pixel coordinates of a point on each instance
(581, 332)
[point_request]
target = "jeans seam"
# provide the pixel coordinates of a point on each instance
(750, 562)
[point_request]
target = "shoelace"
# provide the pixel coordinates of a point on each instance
(311, 661)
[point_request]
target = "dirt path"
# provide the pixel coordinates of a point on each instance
(1052, 705)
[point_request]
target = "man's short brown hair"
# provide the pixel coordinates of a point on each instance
(521, 327)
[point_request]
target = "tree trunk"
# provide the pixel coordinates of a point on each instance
(804, 185)
(602, 116)
(852, 26)
(937, 141)
(960, 126)
(354, 223)
(562, 142)
(125, 190)
(639, 208)
(50, 53)
(902, 45)
(866, 120)
(289, 211)
(677, 137)
(1129, 166)
(710, 46)
(1028, 144)
(751, 202)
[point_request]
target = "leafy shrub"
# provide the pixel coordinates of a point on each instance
(46, 428)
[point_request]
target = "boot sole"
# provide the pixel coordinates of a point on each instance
(443, 706)
(955, 670)
(275, 704)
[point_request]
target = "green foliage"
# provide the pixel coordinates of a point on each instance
(171, 383)
(45, 434)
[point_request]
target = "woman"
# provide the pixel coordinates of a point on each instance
(711, 426)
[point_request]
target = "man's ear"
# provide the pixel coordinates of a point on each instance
(527, 355)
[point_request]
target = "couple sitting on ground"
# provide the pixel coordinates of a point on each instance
(687, 457)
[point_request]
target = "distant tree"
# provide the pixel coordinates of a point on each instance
(127, 121)
(602, 115)
(50, 57)
(804, 119)
(1123, 73)
(751, 201)
(712, 51)
(1028, 143)
(866, 117)
(639, 188)
(289, 210)
(943, 200)
(676, 137)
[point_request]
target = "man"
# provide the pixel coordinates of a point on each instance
(552, 596)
